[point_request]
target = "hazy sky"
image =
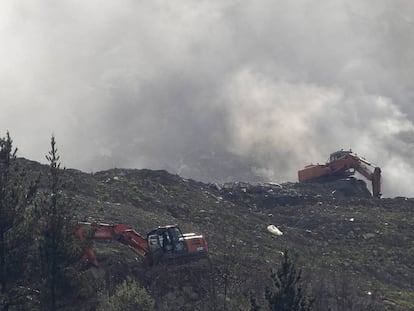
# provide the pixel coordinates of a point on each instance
(212, 90)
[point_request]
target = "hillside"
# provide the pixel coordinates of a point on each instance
(356, 252)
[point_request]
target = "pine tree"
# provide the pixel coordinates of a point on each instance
(56, 235)
(16, 195)
(287, 294)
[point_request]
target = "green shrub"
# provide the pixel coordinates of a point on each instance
(128, 296)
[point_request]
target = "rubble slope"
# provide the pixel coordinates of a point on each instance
(354, 251)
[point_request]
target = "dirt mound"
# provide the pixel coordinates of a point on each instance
(267, 195)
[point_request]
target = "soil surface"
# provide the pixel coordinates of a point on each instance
(355, 252)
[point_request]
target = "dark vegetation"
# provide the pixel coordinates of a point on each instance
(346, 251)
(288, 293)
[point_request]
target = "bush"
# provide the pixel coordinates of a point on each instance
(128, 296)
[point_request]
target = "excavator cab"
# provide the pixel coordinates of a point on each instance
(338, 155)
(166, 240)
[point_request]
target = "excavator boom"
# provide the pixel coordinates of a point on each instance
(122, 233)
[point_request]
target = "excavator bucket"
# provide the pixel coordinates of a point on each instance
(376, 183)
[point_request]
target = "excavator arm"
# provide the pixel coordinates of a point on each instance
(367, 170)
(118, 232)
(374, 177)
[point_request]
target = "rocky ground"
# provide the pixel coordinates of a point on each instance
(356, 252)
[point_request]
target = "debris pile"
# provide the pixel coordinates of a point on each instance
(268, 195)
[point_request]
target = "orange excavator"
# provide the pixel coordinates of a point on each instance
(343, 164)
(161, 244)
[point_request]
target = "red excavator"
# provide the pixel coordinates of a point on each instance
(161, 244)
(342, 164)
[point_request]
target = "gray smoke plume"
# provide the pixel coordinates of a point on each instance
(213, 90)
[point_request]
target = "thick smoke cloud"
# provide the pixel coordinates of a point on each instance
(212, 90)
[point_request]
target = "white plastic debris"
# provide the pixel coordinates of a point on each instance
(274, 230)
